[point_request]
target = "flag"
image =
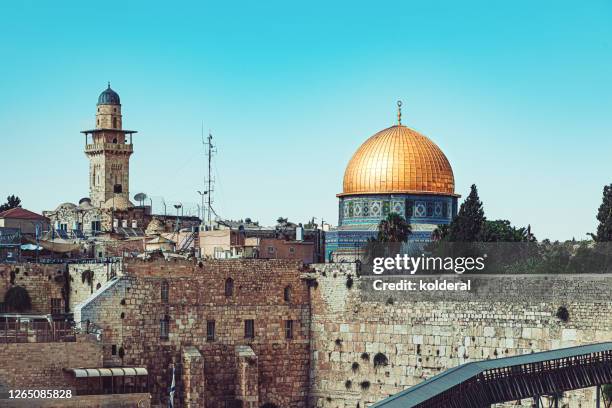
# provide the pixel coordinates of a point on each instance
(172, 389)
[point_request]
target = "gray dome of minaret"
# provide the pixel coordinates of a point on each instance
(109, 97)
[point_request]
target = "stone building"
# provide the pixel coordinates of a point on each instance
(109, 148)
(237, 330)
(277, 332)
(397, 170)
(108, 208)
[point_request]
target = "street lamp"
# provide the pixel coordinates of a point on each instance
(178, 207)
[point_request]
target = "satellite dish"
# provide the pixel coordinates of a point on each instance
(140, 197)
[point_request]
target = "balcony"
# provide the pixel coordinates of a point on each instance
(109, 147)
(24, 328)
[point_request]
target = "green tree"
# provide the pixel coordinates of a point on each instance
(394, 228)
(468, 224)
(440, 233)
(604, 216)
(503, 231)
(12, 201)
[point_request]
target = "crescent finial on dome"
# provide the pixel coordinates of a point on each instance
(399, 112)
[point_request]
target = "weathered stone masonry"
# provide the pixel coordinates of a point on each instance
(131, 312)
(422, 334)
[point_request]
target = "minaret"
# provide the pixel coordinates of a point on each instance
(109, 149)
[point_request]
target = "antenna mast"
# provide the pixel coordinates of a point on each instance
(209, 150)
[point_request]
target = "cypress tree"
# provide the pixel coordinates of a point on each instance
(468, 224)
(604, 216)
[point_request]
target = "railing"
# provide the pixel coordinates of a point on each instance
(24, 330)
(108, 146)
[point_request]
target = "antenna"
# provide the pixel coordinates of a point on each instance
(209, 151)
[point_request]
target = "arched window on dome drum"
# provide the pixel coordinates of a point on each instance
(229, 287)
(287, 294)
(409, 208)
(445, 209)
(165, 289)
(430, 209)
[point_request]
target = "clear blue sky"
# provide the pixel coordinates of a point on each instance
(517, 94)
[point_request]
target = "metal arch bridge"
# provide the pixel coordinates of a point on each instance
(483, 383)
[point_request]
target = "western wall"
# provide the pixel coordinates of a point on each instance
(367, 345)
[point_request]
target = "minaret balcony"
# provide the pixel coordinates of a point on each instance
(109, 147)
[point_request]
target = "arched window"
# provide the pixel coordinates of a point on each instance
(114, 123)
(287, 294)
(229, 287)
(165, 289)
(164, 327)
(115, 140)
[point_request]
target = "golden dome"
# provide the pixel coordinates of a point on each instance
(398, 160)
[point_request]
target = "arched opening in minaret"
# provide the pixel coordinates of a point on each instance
(114, 123)
(115, 140)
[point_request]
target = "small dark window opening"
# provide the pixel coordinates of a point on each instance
(288, 329)
(409, 208)
(115, 140)
(115, 125)
(430, 209)
(118, 189)
(56, 306)
(165, 289)
(287, 294)
(249, 329)
(164, 327)
(114, 350)
(210, 330)
(229, 287)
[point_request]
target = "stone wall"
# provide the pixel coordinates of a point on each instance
(40, 365)
(43, 283)
(421, 334)
(140, 400)
(81, 289)
(131, 313)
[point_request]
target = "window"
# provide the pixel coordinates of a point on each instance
(430, 209)
(386, 208)
(270, 250)
(124, 223)
(56, 306)
(210, 330)
(409, 208)
(445, 209)
(63, 227)
(164, 326)
(165, 289)
(115, 127)
(288, 329)
(292, 250)
(118, 189)
(229, 287)
(249, 329)
(95, 226)
(134, 224)
(114, 350)
(287, 294)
